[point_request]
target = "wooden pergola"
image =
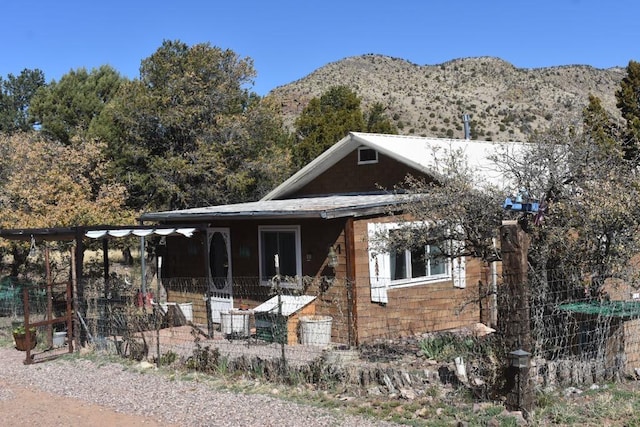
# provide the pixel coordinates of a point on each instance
(77, 235)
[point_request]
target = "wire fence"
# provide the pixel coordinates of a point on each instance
(425, 331)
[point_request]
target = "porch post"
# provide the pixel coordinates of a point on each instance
(514, 316)
(350, 256)
(143, 273)
(105, 265)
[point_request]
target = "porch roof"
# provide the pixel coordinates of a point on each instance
(93, 232)
(326, 207)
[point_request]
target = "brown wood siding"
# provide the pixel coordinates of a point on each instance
(352, 308)
(199, 308)
(347, 176)
(331, 294)
(185, 256)
(316, 238)
(631, 346)
(293, 323)
(412, 309)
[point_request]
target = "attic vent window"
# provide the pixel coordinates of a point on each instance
(367, 156)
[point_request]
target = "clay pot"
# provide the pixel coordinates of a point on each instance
(21, 340)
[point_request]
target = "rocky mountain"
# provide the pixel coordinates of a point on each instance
(505, 103)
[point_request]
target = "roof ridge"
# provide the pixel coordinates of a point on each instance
(432, 138)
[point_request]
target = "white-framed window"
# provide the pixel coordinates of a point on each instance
(401, 268)
(283, 241)
(367, 156)
(417, 264)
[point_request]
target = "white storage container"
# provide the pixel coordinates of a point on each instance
(235, 323)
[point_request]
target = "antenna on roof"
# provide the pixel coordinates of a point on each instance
(467, 126)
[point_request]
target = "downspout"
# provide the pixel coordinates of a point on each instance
(78, 300)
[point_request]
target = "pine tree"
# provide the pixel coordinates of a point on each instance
(378, 122)
(189, 133)
(69, 107)
(628, 97)
(16, 93)
(599, 126)
(325, 121)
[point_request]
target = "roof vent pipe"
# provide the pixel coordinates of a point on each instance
(467, 126)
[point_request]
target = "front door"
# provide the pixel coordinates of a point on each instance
(220, 277)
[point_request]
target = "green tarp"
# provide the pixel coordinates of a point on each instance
(623, 309)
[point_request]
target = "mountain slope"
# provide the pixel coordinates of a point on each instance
(504, 102)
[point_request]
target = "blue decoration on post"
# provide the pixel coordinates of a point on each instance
(521, 203)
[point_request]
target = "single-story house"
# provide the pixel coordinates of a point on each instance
(319, 223)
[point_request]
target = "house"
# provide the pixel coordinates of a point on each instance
(319, 223)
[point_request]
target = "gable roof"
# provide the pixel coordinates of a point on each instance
(419, 153)
(64, 234)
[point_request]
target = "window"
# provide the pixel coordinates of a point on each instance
(418, 263)
(283, 241)
(401, 268)
(367, 156)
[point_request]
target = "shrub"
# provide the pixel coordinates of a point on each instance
(444, 347)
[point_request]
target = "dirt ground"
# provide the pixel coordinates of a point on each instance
(20, 406)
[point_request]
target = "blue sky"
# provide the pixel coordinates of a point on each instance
(288, 40)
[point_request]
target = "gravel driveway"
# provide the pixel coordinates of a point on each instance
(96, 393)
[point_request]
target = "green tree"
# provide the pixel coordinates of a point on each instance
(16, 93)
(255, 152)
(600, 129)
(189, 133)
(44, 183)
(48, 184)
(628, 97)
(69, 107)
(324, 121)
(378, 122)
